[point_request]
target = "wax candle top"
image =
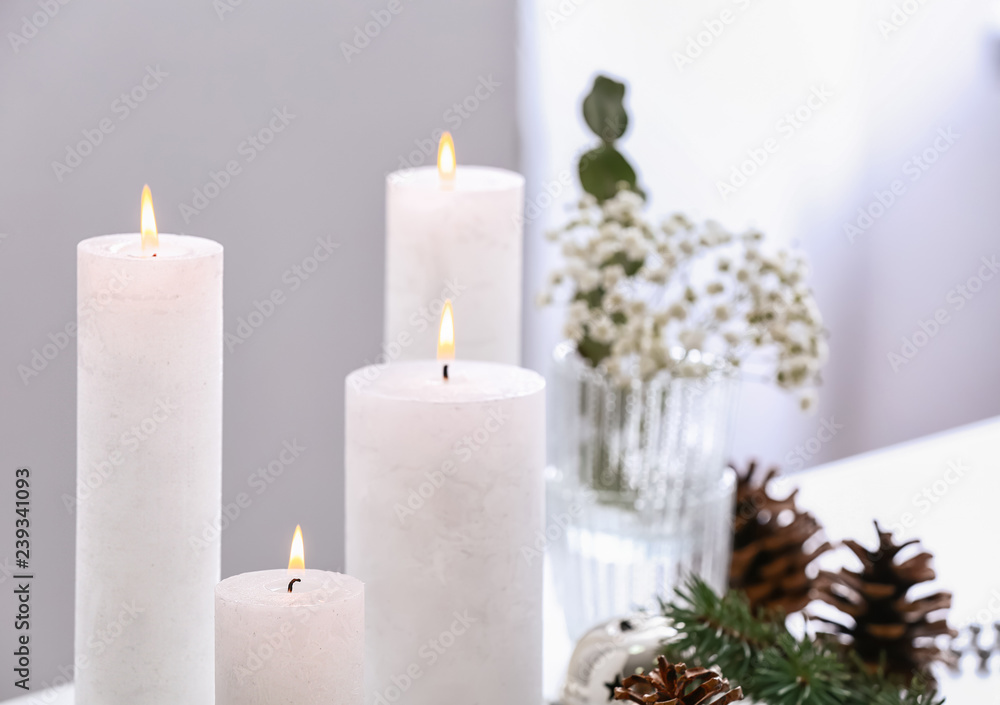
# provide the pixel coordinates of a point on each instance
(466, 179)
(269, 588)
(468, 381)
(129, 246)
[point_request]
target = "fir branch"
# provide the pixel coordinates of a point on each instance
(758, 653)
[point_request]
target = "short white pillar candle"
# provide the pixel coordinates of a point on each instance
(302, 647)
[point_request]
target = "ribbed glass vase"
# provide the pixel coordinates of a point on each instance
(639, 496)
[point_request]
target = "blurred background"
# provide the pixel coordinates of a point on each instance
(911, 92)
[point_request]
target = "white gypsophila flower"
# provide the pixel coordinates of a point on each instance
(614, 301)
(645, 322)
(543, 299)
(606, 249)
(657, 275)
(615, 208)
(623, 346)
(634, 245)
(573, 330)
(574, 270)
(636, 309)
(588, 280)
(578, 312)
(570, 249)
(631, 199)
(678, 311)
(610, 229)
(691, 338)
(612, 274)
(602, 330)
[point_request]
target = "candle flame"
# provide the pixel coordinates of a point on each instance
(297, 558)
(446, 333)
(446, 157)
(150, 239)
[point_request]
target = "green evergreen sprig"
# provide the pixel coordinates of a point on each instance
(758, 653)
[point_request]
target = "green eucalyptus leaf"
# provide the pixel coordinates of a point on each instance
(602, 169)
(604, 109)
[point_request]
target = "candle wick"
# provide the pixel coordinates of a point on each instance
(292, 582)
(446, 371)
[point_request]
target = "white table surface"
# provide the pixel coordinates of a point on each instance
(953, 513)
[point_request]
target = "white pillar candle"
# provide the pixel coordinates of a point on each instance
(304, 647)
(149, 459)
(458, 238)
(445, 504)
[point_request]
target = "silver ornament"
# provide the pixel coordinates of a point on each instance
(610, 652)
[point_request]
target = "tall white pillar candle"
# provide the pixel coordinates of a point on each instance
(149, 459)
(444, 506)
(303, 648)
(458, 238)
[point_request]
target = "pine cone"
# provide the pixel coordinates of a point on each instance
(678, 685)
(769, 536)
(886, 624)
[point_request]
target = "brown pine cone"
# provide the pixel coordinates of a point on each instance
(770, 560)
(888, 627)
(677, 685)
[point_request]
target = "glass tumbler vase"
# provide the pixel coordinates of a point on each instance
(638, 493)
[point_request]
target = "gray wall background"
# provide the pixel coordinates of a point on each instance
(321, 177)
(358, 117)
